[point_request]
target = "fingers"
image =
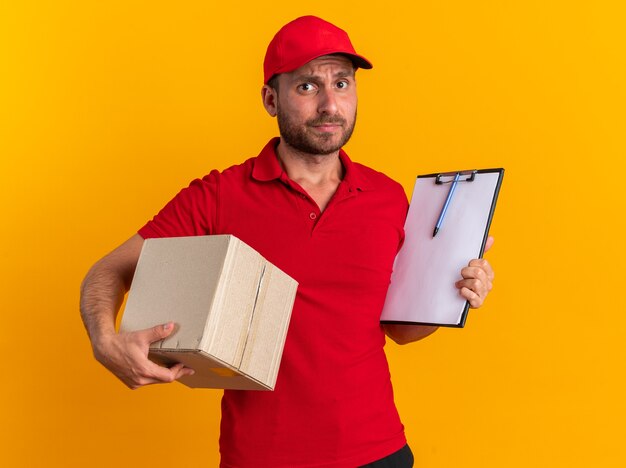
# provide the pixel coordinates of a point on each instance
(152, 373)
(147, 372)
(180, 370)
(126, 355)
(478, 268)
(474, 298)
(477, 282)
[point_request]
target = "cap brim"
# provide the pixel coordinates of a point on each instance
(360, 62)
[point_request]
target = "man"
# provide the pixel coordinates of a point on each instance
(333, 225)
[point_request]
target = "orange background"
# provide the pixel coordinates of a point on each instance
(107, 109)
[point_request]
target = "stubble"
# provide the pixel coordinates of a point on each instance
(303, 139)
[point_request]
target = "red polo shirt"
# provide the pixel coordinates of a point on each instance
(333, 402)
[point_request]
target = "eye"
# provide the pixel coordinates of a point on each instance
(306, 87)
(343, 84)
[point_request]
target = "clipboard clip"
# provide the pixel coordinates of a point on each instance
(469, 176)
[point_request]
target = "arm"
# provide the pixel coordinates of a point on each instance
(124, 354)
(404, 334)
(476, 283)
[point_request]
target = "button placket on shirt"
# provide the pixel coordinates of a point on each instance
(344, 193)
(305, 205)
(310, 208)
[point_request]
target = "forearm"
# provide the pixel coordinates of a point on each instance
(404, 334)
(124, 354)
(102, 293)
(104, 286)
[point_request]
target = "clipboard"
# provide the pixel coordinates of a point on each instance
(422, 290)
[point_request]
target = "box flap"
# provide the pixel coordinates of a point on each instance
(227, 328)
(270, 321)
(210, 372)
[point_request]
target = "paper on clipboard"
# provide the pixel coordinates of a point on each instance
(422, 287)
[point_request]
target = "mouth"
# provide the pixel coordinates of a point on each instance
(327, 126)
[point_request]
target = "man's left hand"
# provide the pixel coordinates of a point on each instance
(477, 279)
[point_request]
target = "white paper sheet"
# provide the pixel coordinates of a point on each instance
(422, 284)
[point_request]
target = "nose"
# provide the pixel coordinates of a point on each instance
(327, 103)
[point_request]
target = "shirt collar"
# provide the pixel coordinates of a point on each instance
(266, 167)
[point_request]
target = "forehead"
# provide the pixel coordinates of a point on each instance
(333, 64)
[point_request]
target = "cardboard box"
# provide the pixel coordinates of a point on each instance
(231, 306)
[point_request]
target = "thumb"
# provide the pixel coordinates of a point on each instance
(158, 332)
(489, 243)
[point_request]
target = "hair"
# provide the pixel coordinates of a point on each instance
(273, 83)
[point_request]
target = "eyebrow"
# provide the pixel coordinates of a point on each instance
(343, 74)
(316, 78)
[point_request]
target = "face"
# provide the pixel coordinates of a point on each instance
(315, 105)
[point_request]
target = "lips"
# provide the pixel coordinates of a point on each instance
(336, 122)
(327, 125)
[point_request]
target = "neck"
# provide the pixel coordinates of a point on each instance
(318, 174)
(314, 168)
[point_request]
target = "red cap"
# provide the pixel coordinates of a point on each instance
(305, 39)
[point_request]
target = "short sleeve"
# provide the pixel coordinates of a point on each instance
(404, 209)
(192, 212)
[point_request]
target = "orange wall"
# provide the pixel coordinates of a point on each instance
(108, 108)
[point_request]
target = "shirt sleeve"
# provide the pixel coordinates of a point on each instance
(192, 212)
(403, 206)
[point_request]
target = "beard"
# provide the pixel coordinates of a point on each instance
(299, 137)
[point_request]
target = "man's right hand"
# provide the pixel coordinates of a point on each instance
(126, 356)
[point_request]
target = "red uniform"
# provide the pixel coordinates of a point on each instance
(333, 402)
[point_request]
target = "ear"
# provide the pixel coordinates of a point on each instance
(270, 98)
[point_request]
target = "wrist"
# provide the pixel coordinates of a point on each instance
(101, 338)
